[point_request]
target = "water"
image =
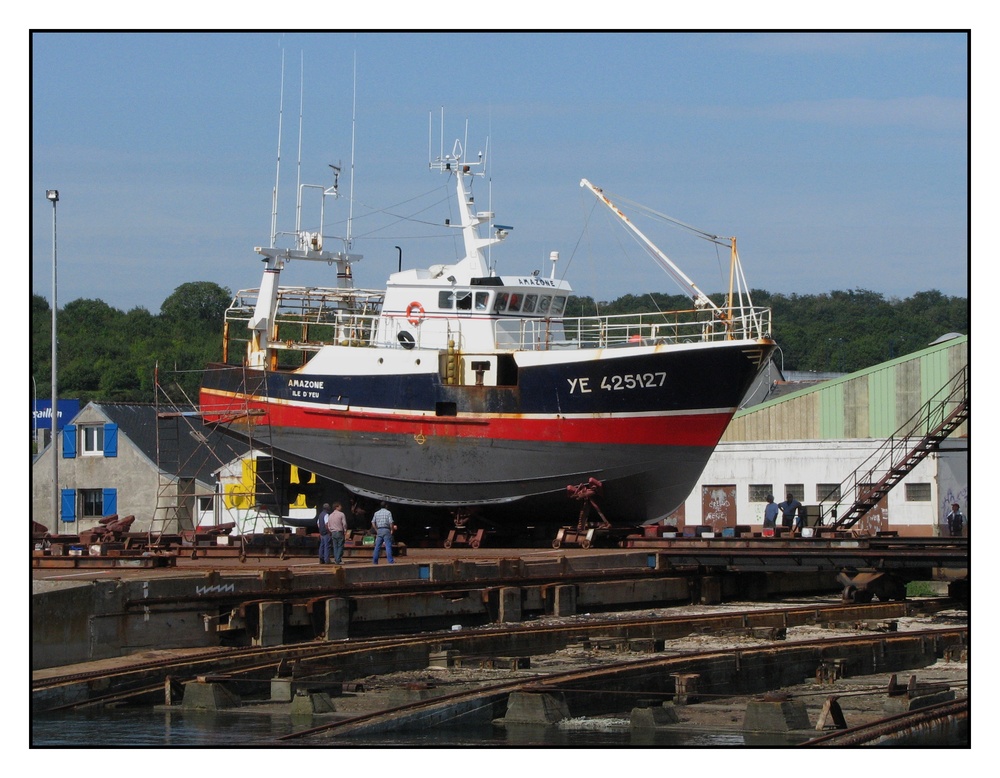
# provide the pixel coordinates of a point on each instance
(158, 728)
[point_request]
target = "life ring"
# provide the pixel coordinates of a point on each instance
(415, 313)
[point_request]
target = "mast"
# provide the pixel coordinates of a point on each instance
(308, 245)
(471, 219)
(277, 171)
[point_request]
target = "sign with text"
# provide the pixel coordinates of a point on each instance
(41, 413)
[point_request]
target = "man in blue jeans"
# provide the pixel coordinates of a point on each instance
(383, 526)
(337, 523)
(324, 535)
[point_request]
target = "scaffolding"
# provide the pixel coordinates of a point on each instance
(178, 463)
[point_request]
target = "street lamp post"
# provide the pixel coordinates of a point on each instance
(53, 196)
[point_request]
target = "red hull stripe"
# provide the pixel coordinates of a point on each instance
(691, 429)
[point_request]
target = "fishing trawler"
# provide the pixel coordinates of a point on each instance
(460, 389)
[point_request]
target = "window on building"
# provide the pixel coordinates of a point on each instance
(91, 503)
(918, 492)
(92, 440)
(798, 491)
(759, 492)
(827, 492)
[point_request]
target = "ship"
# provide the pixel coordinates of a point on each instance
(472, 393)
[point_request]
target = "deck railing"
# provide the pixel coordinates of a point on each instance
(306, 319)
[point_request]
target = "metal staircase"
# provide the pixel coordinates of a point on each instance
(919, 436)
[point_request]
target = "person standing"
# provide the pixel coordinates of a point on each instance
(955, 521)
(788, 509)
(770, 513)
(324, 534)
(383, 526)
(337, 524)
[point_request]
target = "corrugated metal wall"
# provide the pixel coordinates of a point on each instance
(871, 403)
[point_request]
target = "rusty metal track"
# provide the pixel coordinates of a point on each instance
(135, 680)
(409, 715)
(945, 717)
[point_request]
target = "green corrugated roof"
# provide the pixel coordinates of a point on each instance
(825, 386)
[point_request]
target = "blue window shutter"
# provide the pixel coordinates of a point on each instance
(69, 441)
(110, 501)
(111, 440)
(68, 512)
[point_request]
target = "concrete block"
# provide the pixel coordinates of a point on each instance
(775, 716)
(307, 703)
(535, 708)
(271, 624)
(652, 717)
(905, 703)
(564, 603)
(404, 696)
(510, 604)
(206, 695)
(444, 658)
(338, 618)
(282, 689)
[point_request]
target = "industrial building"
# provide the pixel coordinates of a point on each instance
(809, 438)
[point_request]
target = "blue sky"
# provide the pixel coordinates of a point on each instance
(839, 161)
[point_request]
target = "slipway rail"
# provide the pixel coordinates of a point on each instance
(135, 680)
(726, 672)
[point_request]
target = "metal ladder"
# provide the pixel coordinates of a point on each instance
(919, 436)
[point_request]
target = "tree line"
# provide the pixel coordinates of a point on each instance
(108, 355)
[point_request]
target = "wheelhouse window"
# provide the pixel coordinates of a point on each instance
(558, 305)
(515, 303)
(92, 440)
(463, 301)
(501, 302)
(446, 300)
(482, 301)
(543, 304)
(530, 301)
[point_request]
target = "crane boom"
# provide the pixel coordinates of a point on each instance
(701, 300)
